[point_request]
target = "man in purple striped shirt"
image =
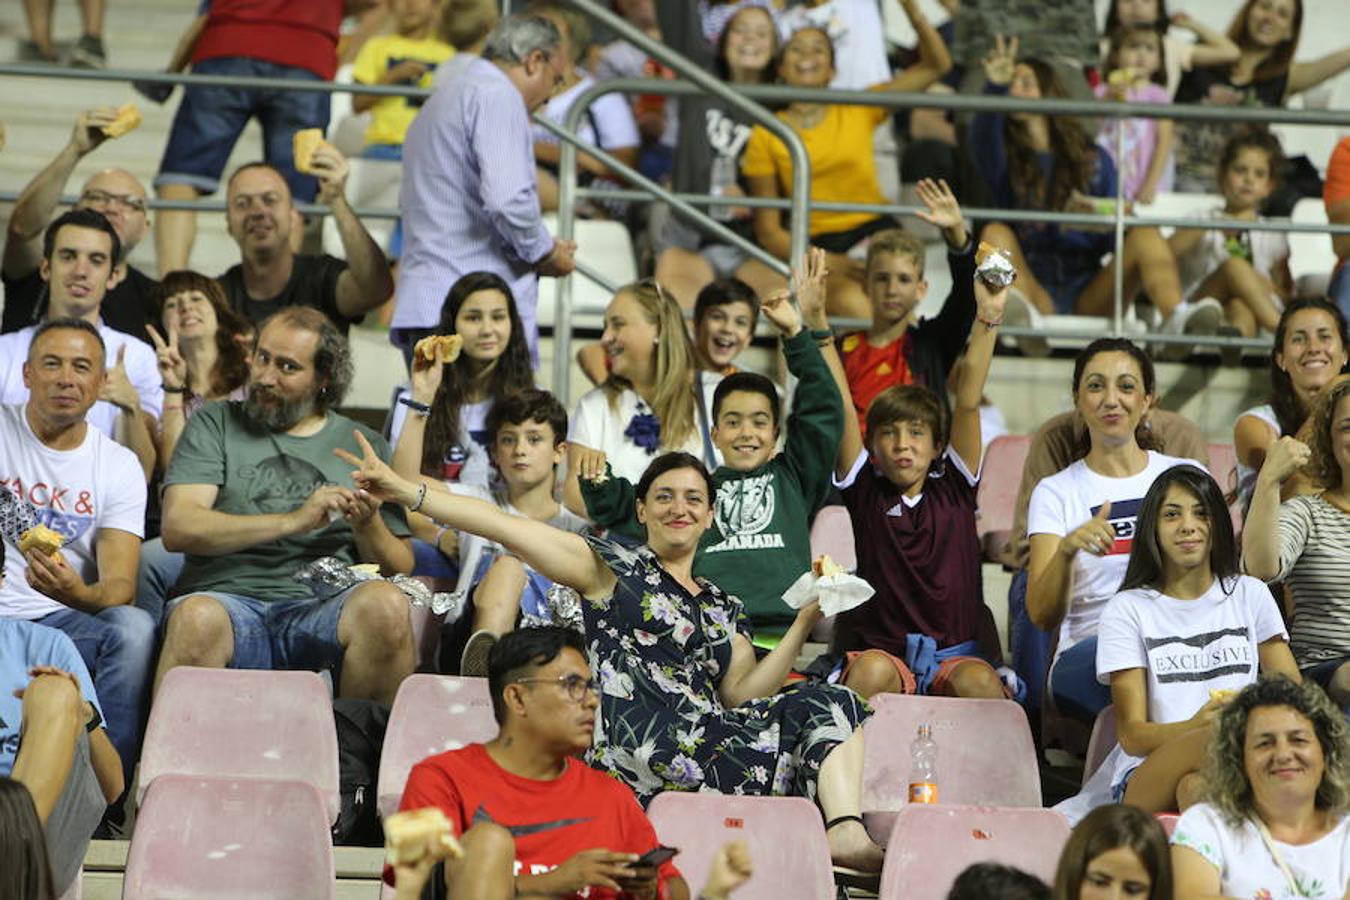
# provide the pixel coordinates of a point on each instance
(468, 199)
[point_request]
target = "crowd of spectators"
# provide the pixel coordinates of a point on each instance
(619, 573)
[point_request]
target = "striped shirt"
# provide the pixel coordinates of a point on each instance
(1315, 563)
(468, 197)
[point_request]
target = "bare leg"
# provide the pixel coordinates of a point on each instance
(839, 792)
(873, 673)
(176, 229)
(1150, 266)
(761, 278)
(198, 633)
(1238, 280)
(496, 602)
(548, 190)
(975, 678)
(1239, 315)
(377, 639)
(1155, 784)
(1338, 688)
(53, 713)
(39, 14)
(91, 15)
(486, 871)
(683, 273)
(998, 235)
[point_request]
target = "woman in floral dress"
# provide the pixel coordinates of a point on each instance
(684, 704)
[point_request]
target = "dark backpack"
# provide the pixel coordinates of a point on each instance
(360, 735)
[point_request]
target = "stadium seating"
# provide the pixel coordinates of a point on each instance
(1311, 258)
(1168, 820)
(1000, 478)
(985, 755)
(785, 835)
(1102, 742)
(240, 723)
(931, 845)
(221, 839)
(431, 714)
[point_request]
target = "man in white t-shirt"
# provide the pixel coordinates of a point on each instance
(79, 264)
(57, 471)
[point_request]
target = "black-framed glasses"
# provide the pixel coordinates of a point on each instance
(104, 198)
(574, 686)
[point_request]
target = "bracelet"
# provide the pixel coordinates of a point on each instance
(440, 533)
(181, 389)
(421, 497)
(989, 323)
(417, 406)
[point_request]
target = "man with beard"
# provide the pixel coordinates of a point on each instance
(271, 275)
(254, 494)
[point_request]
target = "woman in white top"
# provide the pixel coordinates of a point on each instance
(1306, 541)
(1081, 520)
(1185, 632)
(655, 399)
(1274, 823)
(1309, 351)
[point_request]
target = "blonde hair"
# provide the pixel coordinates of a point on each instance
(899, 242)
(466, 22)
(674, 399)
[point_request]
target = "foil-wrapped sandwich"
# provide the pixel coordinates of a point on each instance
(993, 266)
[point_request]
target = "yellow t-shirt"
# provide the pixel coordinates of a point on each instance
(391, 116)
(843, 168)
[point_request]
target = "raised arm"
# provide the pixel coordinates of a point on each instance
(1212, 48)
(367, 282)
(1306, 75)
(965, 431)
(811, 298)
(561, 556)
(1261, 528)
(934, 58)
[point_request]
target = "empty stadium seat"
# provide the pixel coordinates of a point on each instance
(985, 755)
(1223, 466)
(1000, 477)
(226, 839)
(785, 835)
(431, 714)
(1311, 258)
(1172, 205)
(832, 533)
(1102, 742)
(241, 723)
(930, 845)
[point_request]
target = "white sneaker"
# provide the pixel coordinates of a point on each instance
(1019, 312)
(1202, 316)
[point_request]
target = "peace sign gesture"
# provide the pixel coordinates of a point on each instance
(374, 476)
(172, 366)
(1001, 60)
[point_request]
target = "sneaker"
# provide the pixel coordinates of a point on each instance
(1019, 312)
(1230, 356)
(1202, 316)
(88, 53)
(29, 52)
(473, 663)
(154, 91)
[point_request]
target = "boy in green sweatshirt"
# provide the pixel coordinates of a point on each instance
(759, 543)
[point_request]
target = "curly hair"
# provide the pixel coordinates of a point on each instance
(1105, 829)
(1284, 400)
(332, 357)
(1073, 150)
(1226, 784)
(509, 373)
(231, 369)
(1322, 466)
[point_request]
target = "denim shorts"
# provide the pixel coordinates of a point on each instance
(210, 119)
(1322, 672)
(1063, 275)
(282, 634)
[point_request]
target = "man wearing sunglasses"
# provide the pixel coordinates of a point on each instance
(117, 194)
(533, 818)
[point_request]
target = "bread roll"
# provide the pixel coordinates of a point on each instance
(304, 143)
(42, 539)
(128, 119)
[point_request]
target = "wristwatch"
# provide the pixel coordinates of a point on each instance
(95, 720)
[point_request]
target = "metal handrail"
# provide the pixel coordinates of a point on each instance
(567, 164)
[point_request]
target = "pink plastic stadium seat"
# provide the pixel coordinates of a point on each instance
(1102, 742)
(1000, 478)
(1168, 820)
(1223, 466)
(832, 533)
(985, 755)
(224, 839)
(432, 714)
(786, 837)
(930, 845)
(240, 723)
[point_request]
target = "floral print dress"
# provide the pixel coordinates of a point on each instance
(658, 653)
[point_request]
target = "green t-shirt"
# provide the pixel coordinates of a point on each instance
(266, 473)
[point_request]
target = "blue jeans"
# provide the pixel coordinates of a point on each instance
(283, 634)
(210, 119)
(431, 562)
(118, 646)
(1073, 682)
(1339, 289)
(1028, 646)
(156, 577)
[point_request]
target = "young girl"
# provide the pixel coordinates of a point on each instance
(1185, 632)
(1135, 63)
(1116, 851)
(1246, 271)
(439, 424)
(1210, 48)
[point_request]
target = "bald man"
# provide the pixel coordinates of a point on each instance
(117, 194)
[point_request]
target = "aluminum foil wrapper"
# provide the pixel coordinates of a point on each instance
(16, 516)
(565, 605)
(328, 575)
(996, 270)
(442, 603)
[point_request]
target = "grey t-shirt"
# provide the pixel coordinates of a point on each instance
(260, 473)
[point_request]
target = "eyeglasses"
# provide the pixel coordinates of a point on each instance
(103, 198)
(575, 686)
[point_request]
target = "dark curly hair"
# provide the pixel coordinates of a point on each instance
(1322, 466)
(1073, 150)
(231, 369)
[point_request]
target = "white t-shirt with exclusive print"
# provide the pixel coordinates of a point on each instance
(1321, 869)
(1186, 647)
(77, 492)
(1064, 501)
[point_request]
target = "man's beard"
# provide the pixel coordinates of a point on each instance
(282, 414)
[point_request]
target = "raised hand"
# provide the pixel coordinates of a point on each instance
(332, 169)
(117, 387)
(373, 475)
(1095, 536)
(808, 283)
(1000, 62)
(989, 302)
(172, 366)
(778, 309)
(89, 126)
(943, 210)
(1285, 457)
(426, 378)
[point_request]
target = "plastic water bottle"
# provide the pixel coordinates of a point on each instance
(923, 787)
(723, 177)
